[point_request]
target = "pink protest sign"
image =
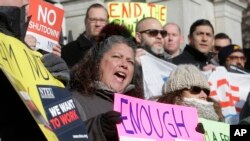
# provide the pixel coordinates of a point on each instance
(152, 121)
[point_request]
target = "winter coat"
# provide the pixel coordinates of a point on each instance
(91, 107)
(75, 50)
(191, 55)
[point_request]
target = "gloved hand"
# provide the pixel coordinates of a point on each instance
(57, 67)
(108, 124)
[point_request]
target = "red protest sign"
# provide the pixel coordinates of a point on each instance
(45, 23)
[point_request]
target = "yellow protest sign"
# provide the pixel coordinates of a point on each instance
(129, 13)
(46, 98)
(24, 69)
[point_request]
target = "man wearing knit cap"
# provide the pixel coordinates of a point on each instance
(233, 58)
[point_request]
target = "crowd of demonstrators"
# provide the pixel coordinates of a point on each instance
(233, 58)
(96, 18)
(197, 52)
(188, 86)
(220, 40)
(149, 36)
(103, 61)
(173, 40)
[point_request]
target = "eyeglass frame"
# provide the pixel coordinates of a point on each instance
(149, 32)
(95, 20)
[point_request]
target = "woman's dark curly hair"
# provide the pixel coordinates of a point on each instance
(115, 29)
(86, 72)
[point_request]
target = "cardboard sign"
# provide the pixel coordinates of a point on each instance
(45, 24)
(213, 133)
(129, 13)
(148, 120)
(40, 91)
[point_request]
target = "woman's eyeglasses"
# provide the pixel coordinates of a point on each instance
(155, 32)
(197, 90)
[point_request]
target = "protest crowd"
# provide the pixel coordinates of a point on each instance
(115, 78)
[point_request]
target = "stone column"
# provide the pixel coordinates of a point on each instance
(228, 18)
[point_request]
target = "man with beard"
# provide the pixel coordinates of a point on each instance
(149, 36)
(233, 58)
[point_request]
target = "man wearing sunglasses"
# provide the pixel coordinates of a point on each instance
(233, 58)
(197, 52)
(149, 36)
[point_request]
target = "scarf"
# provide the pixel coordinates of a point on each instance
(205, 109)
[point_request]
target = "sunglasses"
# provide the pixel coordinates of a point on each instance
(197, 90)
(155, 32)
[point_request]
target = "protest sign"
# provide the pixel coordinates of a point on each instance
(229, 89)
(45, 24)
(129, 13)
(39, 91)
(149, 120)
(215, 134)
(155, 73)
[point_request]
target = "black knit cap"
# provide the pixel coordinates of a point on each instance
(226, 51)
